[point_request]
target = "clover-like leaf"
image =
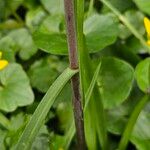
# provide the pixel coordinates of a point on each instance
(100, 31)
(115, 81)
(15, 89)
(142, 74)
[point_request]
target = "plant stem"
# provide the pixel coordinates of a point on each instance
(73, 57)
(95, 108)
(127, 24)
(131, 123)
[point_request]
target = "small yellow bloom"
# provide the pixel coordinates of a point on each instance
(3, 63)
(147, 27)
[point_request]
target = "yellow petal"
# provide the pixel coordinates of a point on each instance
(0, 54)
(147, 25)
(148, 42)
(3, 64)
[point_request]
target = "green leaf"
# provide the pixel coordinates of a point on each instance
(24, 43)
(4, 122)
(100, 31)
(47, 69)
(51, 43)
(141, 144)
(117, 117)
(141, 133)
(144, 5)
(131, 122)
(56, 142)
(3, 134)
(15, 89)
(17, 124)
(134, 46)
(53, 6)
(34, 18)
(142, 74)
(52, 24)
(122, 5)
(136, 19)
(42, 140)
(42, 110)
(7, 47)
(64, 114)
(119, 73)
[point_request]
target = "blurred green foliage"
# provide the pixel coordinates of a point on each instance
(33, 40)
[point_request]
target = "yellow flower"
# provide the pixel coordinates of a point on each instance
(147, 27)
(3, 63)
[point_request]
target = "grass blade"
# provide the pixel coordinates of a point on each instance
(43, 108)
(91, 87)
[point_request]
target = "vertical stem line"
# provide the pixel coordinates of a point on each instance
(73, 58)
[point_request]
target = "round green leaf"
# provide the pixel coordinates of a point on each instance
(15, 89)
(100, 31)
(116, 77)
(142, 74)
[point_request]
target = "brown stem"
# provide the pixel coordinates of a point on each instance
(73, 57)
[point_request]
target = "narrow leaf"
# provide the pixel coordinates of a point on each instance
(42, 110)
